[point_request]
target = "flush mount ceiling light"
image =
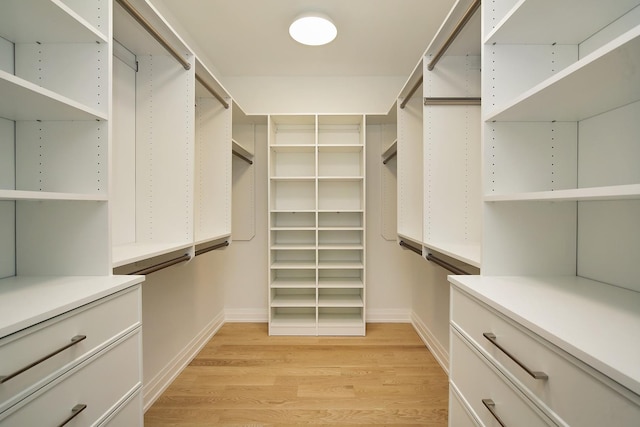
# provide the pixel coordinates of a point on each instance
(313, 29)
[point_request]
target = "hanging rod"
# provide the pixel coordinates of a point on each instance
(212, 248)
(411, 92)
(452, 101)
(390, 152)
(458, 28)
(153, 32)
(240, 156)
(411, 248)
(162, 265)
(391, 156)
(208, 87)
(452, 268)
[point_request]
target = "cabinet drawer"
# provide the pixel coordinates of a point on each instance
(458, 415)
(129, 415)
(99, 383)
(478, 382)
(599, 401)
(102, 322)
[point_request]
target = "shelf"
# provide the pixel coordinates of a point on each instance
(28, 300)
(293, 301)
(293, 265)
(569, 311)
(469, 254)
(293, 319)
(340, 148)
(134, 252)
(23, 100)
(293, 283)
(294, 178)
(523, 23)
(293, 148)
(340, 283)
(340, 300)
(46, 195)
(563, 96)
(241, 152)
(45, 21)
(338, 319)
(344, 178)
(341, 246)
(341, 265)
(292, 246)
(618, 192)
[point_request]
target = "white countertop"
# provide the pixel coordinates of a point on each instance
(596, 323)
(25, 301)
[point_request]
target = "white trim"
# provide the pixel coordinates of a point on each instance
(246, 315)
(388, 315)
(155, 387)
(435, 347)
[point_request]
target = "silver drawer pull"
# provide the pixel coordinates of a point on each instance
(535, 374)
(75, 411)
(491, 406)
(75, 340)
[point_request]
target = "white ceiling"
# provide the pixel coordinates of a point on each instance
(250, 37)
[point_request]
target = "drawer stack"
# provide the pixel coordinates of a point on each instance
(80, 367)
(503, 373)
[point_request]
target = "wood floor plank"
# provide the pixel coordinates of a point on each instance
(243, 377)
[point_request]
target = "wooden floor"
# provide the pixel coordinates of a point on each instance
(243, 377)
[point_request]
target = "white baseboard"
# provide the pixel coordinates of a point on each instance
(155, 387)
(388, 315)
(435, 347)
(246, 315)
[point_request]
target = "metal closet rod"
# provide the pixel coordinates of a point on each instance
(452, 268)
(411, 248)
(154, 33)
(235, 153)
(411, 92)
(452, 101)
(458, 28)
(391, 156)
(206, 85)
(162, 265)
(212, 248)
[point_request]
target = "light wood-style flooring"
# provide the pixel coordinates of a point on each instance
(243, 377)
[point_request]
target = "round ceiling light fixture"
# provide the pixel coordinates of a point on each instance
(313, 29)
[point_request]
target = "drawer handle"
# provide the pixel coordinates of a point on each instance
(75, 340)
(75, 411)
(491, 406)
(535, 374)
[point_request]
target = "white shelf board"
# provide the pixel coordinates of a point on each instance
(45, 21)
(293, 228)
(341, 246)
(601, 81)
(23, 100)
(341, 228)
(522, 25)
(337, 300)
(293, 265)
(310, 178)
(139, 251)
(293, 283)
(346, 178)
(617, 192)
(292, 246)
(467, 253)
(293, 148)
(47, 195)
(340, 211)
(325, 319)
(340, 283)
(293, 301)
(341, 265)
(293, 319)
(568, 312)
(340, 148)
(237, 148)
(27, 300)
(208, 239)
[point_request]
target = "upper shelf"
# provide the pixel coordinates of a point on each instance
(602, 81)
(45, 21)
(616, 192)
(23, 100)
(522, 24)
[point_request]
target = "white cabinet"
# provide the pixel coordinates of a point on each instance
(55, 352)
(317, 223)
(559, 291)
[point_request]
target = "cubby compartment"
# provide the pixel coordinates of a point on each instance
(340, 278)
(340, 239)
(297, 278)
(336, 297)
(340, 220)
(290, 162)
(293, 195)
(293, 239)
(340, 162)
(340, 130)
(293, 259)
(292, 321)
(293, 297)
(340, 321)
(340, 195)
(292, 130)
(337, 258)
(293, 220)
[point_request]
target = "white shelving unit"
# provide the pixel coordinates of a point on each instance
(561, 101)
(316, 238)
(55, 255)
(154, 134)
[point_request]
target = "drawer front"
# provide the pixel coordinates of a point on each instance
(479, 383)
(129, 415)
(596, 404)
(99, 383)
(101, 322)
(458, 415)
